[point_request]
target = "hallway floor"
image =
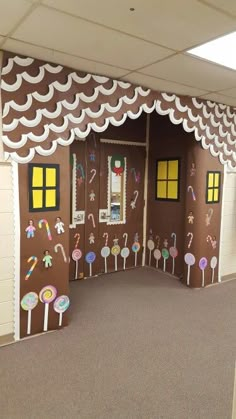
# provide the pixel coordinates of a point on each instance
(140, 345)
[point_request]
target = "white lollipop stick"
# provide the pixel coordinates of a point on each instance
(124, 264)
(46, 311)
(164, 265)
(60, 319)
(90, 269)
(115, 262)
(188, 276)
(76, 269)
(135, 258)
(203, 278)
(150, 256)
(157, 264)
(173, 266)
(105, 263)
(29, 322)
(212, 276)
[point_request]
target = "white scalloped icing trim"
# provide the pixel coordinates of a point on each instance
(23, 62)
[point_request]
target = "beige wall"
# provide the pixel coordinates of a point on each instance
(6, 250)
(228, 236)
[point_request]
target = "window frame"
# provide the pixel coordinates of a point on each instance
(213, 187)
(43, 188)
(167, 180)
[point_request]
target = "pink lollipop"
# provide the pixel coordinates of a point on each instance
(76, 256)
(60, 305)
(173, 252)
(202, 266)
(157, 256)
(189, 260)
(150, 245)
(47, 295)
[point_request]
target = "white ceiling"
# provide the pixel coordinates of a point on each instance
(146, 46)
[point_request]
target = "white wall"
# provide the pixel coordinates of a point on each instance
(228, 234)
(6, 250)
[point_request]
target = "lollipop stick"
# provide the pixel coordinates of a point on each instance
(203, 279)
(188, 277)
(124, 264)
(115, 263)
(105, 262)
(29, 322)
(76, 269)
(212, 277)
(157, 264)
(60, 319)
(90, 269)
(150, 255)
(135, 259)
(164, 265)
(46, 310)
(173, 266)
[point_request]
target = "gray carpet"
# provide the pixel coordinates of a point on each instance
(140, 346)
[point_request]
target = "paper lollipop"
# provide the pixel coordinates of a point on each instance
(135, 248)
(202, 266)
(165, 255)
(90, 258)
(47, 295)
(125, 251)
(189, 259)
(213, 265)
(173, 252)
(115, 251)
(157, 253)
(150, 245)
(76, 254)
(105, 252)
(60, 305)
(28, 303)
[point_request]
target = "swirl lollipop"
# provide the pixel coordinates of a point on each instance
(189, 259)
(115, 251)
(90, 258)
(150, 245)
(47, 295)
(105, 252)
(135, 248)
(28, 303)
(202, 266)
(173, 252)
(60, 305)
(213, 264)
(157, 253)
(125, 251)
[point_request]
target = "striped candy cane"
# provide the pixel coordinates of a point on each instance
(35, 259)
(44, 221)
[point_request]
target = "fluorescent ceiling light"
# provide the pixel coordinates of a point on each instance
(220, 51)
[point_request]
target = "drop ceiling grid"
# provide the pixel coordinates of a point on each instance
(129, 69)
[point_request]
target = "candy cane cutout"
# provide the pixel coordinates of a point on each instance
(133, 203)
(106, 236)
(80, 167)
(209, 216)
(77, 235)
(190, 240)
(47, 227)
(35, 259)
(59, 245)
(190, 188)
(173, 235)
(91, 217)
(93, 172)
(125, 235)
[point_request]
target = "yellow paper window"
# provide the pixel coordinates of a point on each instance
(50, 177)
(210, 195)
(173, 169)
(162, 170)
(50, 198)
(217, 178)
(210, 180)
(162, 189)
(37, 198)
(216, 195)
(37, 178)
(172, 190)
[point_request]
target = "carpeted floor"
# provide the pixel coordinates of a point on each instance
(140, 346)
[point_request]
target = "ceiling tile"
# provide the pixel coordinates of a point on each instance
(194, 72)
(229, 92)
(162, 85)
(216, 97)
(74, 36)
(228, 6)
(63, 59)
(174, 24)
(11, 14)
